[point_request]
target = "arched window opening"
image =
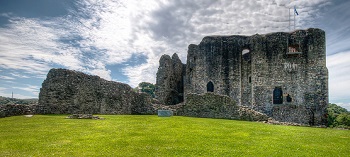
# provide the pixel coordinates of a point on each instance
(210, 87)
(245, 51)
(277, 95)
(246, 54)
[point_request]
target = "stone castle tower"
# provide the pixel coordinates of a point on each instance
(283, 75)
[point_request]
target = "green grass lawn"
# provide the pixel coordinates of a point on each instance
(53, 135)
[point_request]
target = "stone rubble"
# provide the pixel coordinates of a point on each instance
(84, 116)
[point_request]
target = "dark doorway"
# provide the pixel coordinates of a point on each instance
(210, 87)
(277, 95)
(289, 99)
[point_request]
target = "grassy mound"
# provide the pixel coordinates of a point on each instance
(127, 135)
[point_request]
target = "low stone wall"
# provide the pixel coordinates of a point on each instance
(301, 114)
(142, 104)
(16, 109)
(210, 105)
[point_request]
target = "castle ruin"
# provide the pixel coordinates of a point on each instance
(283, 74)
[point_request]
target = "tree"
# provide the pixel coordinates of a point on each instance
(343, 119)
(338, 116)
(147, 88)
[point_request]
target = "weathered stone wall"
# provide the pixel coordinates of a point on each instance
(210, 105)
(142, 104)
(68, 92)
(250, 68)
(291, 113)
(169, 83)
(16, 109)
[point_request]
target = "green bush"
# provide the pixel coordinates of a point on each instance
(338, 116)
(343, 119)
(148, 88)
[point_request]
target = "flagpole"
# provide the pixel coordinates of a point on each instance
(294, 15)
(289, 19)
(294, 18)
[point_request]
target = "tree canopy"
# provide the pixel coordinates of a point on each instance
(147, 88)
(338, 116)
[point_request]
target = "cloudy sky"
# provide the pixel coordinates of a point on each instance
(122, 40)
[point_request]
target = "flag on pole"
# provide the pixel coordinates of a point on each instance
(295, 11)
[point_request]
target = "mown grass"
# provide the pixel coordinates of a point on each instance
(53, 135)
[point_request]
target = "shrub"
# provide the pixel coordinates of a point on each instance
(338, 116)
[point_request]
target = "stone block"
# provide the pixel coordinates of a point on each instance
(165, 113)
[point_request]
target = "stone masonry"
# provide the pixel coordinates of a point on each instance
(9, 110)
(70, 92)
(169, 84)
(283, 75)
(210, 105)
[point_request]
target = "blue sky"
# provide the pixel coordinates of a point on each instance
(123, 40)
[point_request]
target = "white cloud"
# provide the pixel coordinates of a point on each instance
(103, 73)
(8, 15)
(142, 73)
(8, 81)
(7, 78)
(32, 45)
(15, 74)
(15, 95)
(107, 28)
(35, 46)
(34, 90)
(339, 76)
(336, 21)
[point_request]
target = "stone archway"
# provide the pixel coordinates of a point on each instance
(210, 87)
(277, 95)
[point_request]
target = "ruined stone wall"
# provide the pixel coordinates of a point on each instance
(16, 109)
(169, 83)
(293, 63)
(216, 59)
(210, 105)
(67, 92)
